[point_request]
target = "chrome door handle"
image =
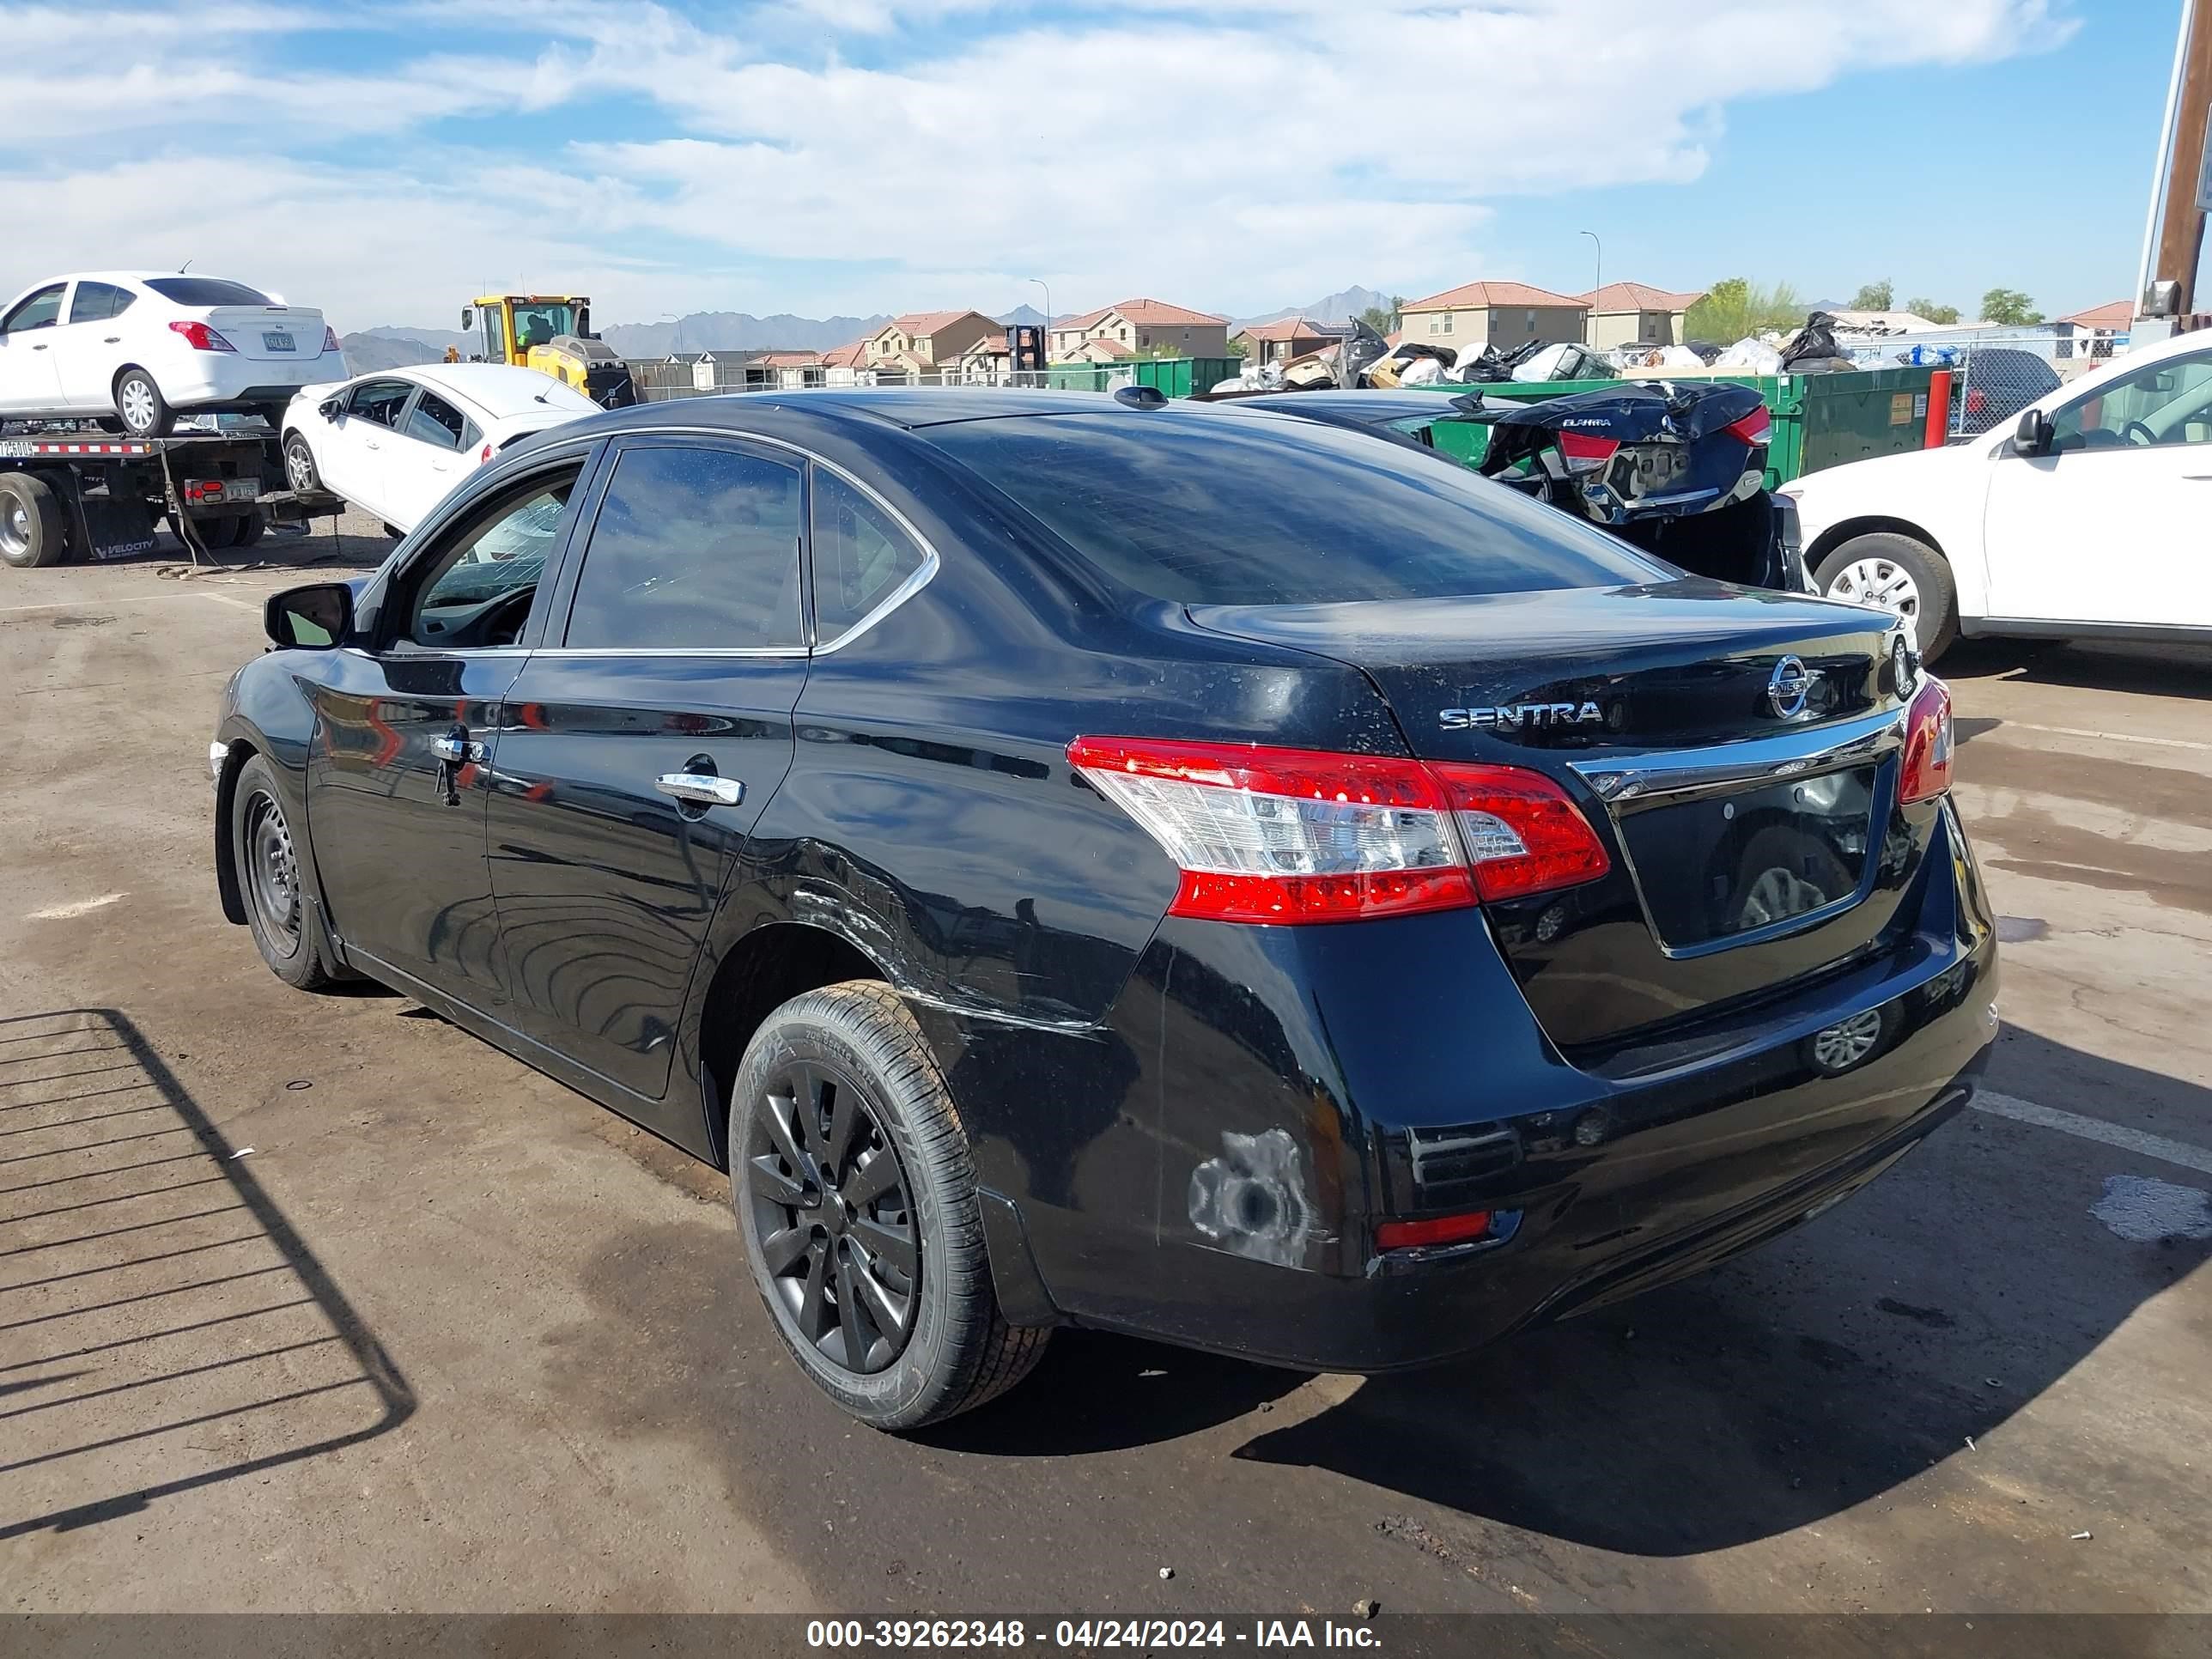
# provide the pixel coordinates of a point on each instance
(112, 339)
(456, 749)
(41, 346)
(703, 788)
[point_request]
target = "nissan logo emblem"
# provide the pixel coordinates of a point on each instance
(1789, 686)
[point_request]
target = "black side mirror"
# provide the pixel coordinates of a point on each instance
(329, 408)
(468, 318)
(316, 617)
(2032, 436)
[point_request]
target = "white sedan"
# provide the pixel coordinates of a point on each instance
(139, 346)
(2079, 519)
(396, 442)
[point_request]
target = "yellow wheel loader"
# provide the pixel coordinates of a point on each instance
(552, 334)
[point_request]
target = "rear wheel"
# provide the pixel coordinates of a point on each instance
(33, 530)
(856, 1194)
(269, 878)
(138, 401)
(249, 526)
(1898, 574)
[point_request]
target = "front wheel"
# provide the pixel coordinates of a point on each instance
(145, 413)
(1898, 574)
(269, 878)
(300, 466)
(855, 1192)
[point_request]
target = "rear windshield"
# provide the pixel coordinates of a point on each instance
(207, 291)
(1216, 509)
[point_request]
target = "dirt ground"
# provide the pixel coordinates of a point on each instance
(318, 1303)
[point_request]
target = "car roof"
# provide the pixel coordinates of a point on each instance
(497, 389)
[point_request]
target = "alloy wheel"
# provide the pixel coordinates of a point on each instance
(299, 467)
(832, 1218)
(1880, 582)
(15, 528)
(272, 869)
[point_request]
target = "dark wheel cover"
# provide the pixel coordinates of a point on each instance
(267, 860)
(831, 1217)
(855, 1193)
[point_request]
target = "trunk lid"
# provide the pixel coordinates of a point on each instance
(287, 334)
(1733, 747)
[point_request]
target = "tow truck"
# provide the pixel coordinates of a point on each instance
(69, 492)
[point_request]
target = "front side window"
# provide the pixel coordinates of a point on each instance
(39, 310)
(2160, 405)
(861, 554)
(380, 401)
(435, 422)
(206, 291)
(1207, 508)
(476, 589)
(95, 302)
(693, 549)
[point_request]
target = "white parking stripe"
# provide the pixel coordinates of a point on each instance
(2105, 737)
(2178, 1152)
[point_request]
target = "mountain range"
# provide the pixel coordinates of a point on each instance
(390, 346)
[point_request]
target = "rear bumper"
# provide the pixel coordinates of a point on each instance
(1212, 1177)
(220, 379)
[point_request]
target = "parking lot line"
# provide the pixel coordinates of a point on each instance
(2178, 1152)
(2108, 737)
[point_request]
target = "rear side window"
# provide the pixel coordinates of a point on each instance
(95, 302)
(435, 421)
(860, 555)
(1210, 508)
(207, 291)
(693, 549)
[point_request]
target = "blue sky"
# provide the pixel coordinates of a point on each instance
(822, 156)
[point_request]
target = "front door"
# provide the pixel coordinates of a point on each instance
(352, 453)
(30, 373)
(405, 741)
(640, 744)
(2107, 526)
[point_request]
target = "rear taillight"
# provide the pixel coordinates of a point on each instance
(1927, 771)
(1755, 427)
(1296, 835)
(201, 337)
(485, 456)
(331, 338)
(1584, 452)
(1442, 1230)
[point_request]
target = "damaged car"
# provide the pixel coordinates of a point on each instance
(1092, 861)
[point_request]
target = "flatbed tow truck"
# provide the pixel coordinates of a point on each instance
(73, 493)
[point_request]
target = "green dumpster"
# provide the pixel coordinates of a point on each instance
(1176, 377)
(1820, 419)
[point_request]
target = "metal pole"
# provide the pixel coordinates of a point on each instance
(1589, 318)
(1600, 246)
(2165, 152)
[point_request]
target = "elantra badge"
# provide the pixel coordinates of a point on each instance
(1511, 717)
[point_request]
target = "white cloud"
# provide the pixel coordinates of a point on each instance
(1244, 153)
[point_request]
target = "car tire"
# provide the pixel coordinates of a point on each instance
(300, 475)
(819, 1256)
(1881, 563)
(266, 863)
(139, 403)
(251, 523)
(33, 531)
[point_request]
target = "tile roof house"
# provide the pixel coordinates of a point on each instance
(847, 365)
(2116, 316)
(1141, 328)
(793, 370)
(929, 339)
(1507, 315)
(1636, 313)
(1289, 337)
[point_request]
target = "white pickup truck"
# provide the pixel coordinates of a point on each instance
(2087, 517)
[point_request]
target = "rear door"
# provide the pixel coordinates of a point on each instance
(400, 768)
(2107, 526)
(89, 347)
(643, 742)
(353, 452)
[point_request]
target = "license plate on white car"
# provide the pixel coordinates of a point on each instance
(277, 339)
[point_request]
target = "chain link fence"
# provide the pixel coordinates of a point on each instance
(1995, 371)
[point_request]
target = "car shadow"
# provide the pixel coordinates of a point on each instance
(2163, 670)
(1782, 1388)
(165, 1326)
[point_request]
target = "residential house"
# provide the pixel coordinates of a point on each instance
(2097, 333)
(847, 365)
(727, 371)
(793, 370)
(924, 340)
(1507, 315)
(1635, 313)
(988, 362)
(1142, 328)
(1890, 322)
(1287, 337)
(1095, 350)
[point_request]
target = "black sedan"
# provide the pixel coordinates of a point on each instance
(1077, 861)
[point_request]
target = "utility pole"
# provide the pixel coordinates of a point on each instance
(2181, 228)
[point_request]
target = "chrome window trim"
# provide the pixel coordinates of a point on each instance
(898, 596)
(1668, 774)
(786, 651)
